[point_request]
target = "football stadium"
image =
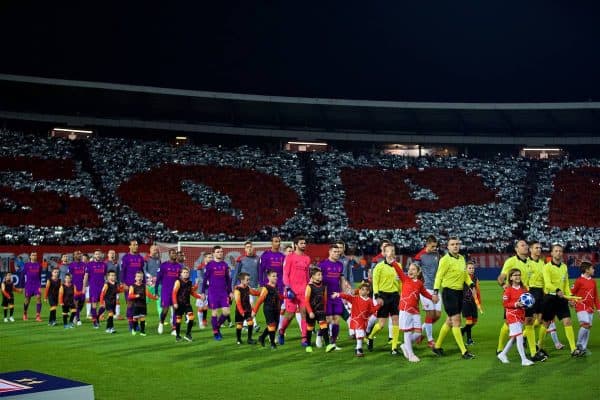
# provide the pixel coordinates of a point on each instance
(258, 200)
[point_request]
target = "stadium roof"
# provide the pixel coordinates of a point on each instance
(86, 103)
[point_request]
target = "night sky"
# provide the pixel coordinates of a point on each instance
(469, 51)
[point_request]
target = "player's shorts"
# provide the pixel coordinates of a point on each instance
(67, 307)
(469, 310)
(218, 301)
(429, 305)
(334, 307)
(389, 306)
(140, 311)
(515, 329)
(357, 324)
(271, 315)
(453, 301)
(294, 305)
(52, 301)
(166, 300)
(319, 317)
(409, 322)
(585, 317)
(529, 313)
(239, 318)
(201, 304)
(95, 293)
(360, 333)
(554, 306)
(32, 291)
(110, 306)
(6, 301)
(538, 296)
(184, 309)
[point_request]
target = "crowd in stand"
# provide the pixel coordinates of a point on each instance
(41, 186)
(117, 160)
(109, 190)
(482, 214)
(565, 207)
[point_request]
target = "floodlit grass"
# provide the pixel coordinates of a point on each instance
(122, 366)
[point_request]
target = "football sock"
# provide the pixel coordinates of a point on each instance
(303, 328)
(507, 346)
(272, 337)
(428, 328)
(325, 335)
(163, 315)
(442, 335)
(529, 334)
(467, 330)
(376, 328)
(94, 316)
(459, 339)
(503, 336)
(521, 347)
(335, 331)
(408, 343)
(250, 329)
(570, 336)
(395, 336)
(263, 335)
(542, 335)
(552, 332)
(309, 332)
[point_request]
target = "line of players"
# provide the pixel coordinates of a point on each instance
(299, 294)
(94, 274)
(548, 282)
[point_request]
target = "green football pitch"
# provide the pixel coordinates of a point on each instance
(122, 366)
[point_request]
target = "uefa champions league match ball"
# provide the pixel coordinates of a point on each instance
(527, 299)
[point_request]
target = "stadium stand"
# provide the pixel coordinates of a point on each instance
(108, 190)
(565, 209)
